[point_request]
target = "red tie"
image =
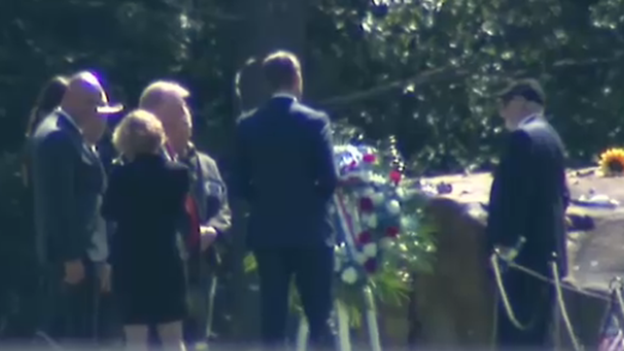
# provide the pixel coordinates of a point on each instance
(189, 206)
(191, 210)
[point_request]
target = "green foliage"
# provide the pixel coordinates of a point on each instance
(426, 72)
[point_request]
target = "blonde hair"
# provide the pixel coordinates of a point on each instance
(157, 92)
(139, 132)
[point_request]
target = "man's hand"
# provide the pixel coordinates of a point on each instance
(74, 272)
(208, 236)
(506, 253)
(105, 278)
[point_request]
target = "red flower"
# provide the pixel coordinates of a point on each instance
(370, 265)
(392, 232)
(369, 158)
(364, 238)
(366, 204)
(395, 176)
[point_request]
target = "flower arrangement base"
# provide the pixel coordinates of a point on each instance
(343, 325)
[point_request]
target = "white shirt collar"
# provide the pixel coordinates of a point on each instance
(69, 118)
(285, 95)
(526, 119)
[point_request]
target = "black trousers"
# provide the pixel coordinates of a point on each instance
(70, 312)
(201, 272)
(533, 303)
(312, 269)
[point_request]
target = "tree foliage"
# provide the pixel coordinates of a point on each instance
(427, 72)
(424, 71)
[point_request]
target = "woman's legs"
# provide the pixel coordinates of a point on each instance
(171, 336)
(136, 337)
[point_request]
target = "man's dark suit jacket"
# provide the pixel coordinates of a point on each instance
(285, 169)
(68, 182)
(529, 196)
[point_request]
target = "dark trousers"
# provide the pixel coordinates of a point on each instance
(70, 312)
(533, 302)
(200, 270)
(312, 268)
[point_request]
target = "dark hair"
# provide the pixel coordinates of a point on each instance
(280, 69)
(49, 98)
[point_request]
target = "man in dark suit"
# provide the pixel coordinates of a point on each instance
(285, 170)
(528, 199)
(207, 205)
(68, 181)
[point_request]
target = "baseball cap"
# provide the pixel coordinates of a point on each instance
(530, 89)
(108, 109)
(92, 82)
(105, 107)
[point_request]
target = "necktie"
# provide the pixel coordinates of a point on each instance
(190, 208)
(193, 215)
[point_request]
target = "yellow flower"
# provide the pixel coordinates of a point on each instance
(612, 162)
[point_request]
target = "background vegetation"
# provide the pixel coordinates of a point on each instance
(421, 70)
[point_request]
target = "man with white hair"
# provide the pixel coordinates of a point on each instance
(527, 202)
(207, 206)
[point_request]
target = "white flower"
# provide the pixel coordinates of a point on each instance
(370, 250)
(400, 193)
(405, 222)
(360, 258)
(337, 263)
(367, 192)
(377, 179)
(385, 243)
(370, 220)
(365, 176)
(393, 207)
(349, 275)
(340, 249)
(377, 198)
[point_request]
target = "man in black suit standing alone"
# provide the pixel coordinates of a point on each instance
(528, 199)
(285, 170)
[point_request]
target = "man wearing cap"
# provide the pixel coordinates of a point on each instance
(526, 219)
(68, 181)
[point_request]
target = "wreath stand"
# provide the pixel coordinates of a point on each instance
(340, 319)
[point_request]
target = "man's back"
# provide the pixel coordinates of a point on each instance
(550, 191)
(286, 172)
(532, 178)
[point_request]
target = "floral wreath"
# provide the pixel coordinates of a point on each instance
(383, 235)
(367, 211)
